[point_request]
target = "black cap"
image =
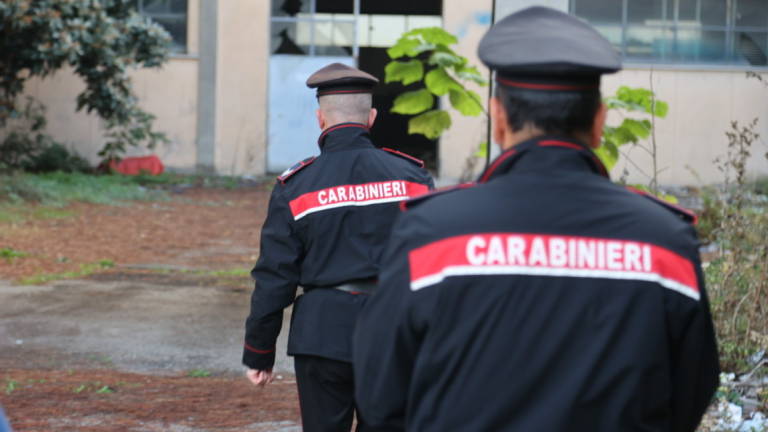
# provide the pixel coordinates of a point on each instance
(540, 48)
(337, 78)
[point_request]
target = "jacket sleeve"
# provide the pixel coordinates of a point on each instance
(695, 365)
(387, 339)
(276, 277)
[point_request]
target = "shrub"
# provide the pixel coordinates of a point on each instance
(738, 277)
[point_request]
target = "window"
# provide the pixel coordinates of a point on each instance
(726, 32)
(341, 27)
(172, 15)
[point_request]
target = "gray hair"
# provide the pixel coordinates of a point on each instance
(342, 108)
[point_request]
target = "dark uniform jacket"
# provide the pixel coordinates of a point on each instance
(328, 221)
(545, 298)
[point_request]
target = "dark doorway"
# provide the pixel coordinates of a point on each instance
(391, 130)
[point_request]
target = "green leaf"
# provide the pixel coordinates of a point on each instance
(405, 46)
(661, 195)
(608, 153)
(471, 73)
(433, 35)
(439, 82)
(668, 198)
(431, 124)
(466, 102)
(413, 102)
(638, 99)
(482, 150)
(618, 136)
(661, 109)
(405, 72)
(446, 59)
(638, 128)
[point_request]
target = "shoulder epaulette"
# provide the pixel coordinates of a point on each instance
(296, 168)
(417, 161)
(410, 203)
(682, 212)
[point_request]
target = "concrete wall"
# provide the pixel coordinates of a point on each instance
(469, 21)
(702, 105)
(243, 66)
(234, 109)
(168, 92)
(163, 92)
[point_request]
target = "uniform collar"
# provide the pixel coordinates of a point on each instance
(344, 136)
(545, 154)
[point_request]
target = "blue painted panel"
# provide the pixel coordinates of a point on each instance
(293, 128)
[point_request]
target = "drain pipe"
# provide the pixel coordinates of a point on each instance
(490, 95)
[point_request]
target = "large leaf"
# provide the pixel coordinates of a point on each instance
(433, 35)
(466, 102)
(470, 73)
(439, 82)
(639, 128)
(413, 102)
(618, 136)
(608, 153)
(403, 47)
(661, 109)
(446, 58)
(638, 99)
(482, 150)
(405, 72)
(431, 124)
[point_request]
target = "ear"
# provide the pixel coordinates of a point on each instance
(320, 119)
(597, 126)
(498, 121)
(372, 117)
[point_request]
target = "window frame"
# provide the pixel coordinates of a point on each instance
(177, 50)
(313, 21)
(672, 24)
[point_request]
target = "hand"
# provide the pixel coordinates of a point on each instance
(259, 377)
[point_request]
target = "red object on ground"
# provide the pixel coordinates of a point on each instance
(138, 165)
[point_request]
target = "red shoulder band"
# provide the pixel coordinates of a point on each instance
(417, 161)
(296, 168)
(683, 212)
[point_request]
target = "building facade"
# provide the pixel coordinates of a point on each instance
(232, 98)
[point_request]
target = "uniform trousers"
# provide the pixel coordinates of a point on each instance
(326, 394)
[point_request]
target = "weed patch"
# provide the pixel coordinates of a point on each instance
(10, 254)
(85, 270)
(738, 278)
(199, 373)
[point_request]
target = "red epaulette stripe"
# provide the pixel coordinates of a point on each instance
(296, 168)
(417, 161)
(404, 204)
(258, 351)
(693, 216)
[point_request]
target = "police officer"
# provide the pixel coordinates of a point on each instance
(545, 297)
(328, 220)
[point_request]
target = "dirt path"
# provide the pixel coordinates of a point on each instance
(151, 344)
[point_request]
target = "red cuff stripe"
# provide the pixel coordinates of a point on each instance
(258, 351)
